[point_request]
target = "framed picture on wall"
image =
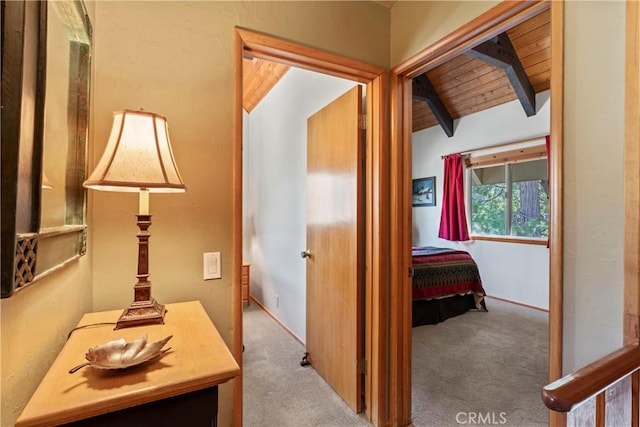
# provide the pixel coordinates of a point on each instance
(424, 191)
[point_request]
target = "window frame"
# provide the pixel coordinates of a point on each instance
(501, 156)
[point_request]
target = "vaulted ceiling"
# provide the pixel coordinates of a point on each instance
(258, 78)
(466, 84)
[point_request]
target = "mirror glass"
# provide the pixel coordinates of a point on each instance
(65, 114)
(56, 132)
(59, 148)
(64, 135)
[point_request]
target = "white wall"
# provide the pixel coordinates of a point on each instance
(275, 202)
(513, 271)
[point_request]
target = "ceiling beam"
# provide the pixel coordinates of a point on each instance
(500, 53)
(423, 90)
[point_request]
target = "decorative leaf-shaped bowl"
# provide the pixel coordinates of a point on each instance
(120, 354)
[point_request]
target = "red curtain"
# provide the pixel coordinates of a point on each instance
(453, 221)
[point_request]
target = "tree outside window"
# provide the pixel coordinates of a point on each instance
(510, 199)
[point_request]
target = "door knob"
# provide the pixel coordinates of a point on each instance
(305, 254)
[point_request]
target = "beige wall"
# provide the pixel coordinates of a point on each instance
(416, 25)
(593, 179)
(35, 324)
(175, 59)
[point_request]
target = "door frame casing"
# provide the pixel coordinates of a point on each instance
(255, 44)
(485, 26)
(632, 177)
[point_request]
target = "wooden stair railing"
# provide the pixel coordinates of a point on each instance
(596, 379)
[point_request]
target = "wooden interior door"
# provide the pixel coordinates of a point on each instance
(335, 214)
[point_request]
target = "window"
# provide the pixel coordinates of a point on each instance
(509, 194)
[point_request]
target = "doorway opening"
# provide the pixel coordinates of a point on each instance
(301, 238)
(487, 26)
(255, 45)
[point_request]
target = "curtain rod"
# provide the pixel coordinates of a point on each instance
(522, 141)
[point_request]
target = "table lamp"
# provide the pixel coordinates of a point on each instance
(138, 158)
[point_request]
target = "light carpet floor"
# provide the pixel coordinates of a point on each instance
(474, 369)
(481, 366)
(277, 391)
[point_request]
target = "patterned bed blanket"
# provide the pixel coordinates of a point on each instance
(444, 272)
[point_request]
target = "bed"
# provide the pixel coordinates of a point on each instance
(446, 283)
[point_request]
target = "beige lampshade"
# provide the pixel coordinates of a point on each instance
(138, 156)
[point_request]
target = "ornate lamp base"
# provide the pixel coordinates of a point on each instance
(144, 309)
(142, 313)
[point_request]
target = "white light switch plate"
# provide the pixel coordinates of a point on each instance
(211, 262)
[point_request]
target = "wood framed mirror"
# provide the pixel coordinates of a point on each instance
(46, 56)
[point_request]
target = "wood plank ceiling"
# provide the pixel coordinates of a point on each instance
(467, 85)
(464, 85)
(258, 78)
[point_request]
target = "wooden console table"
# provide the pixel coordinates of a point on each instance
(180, 388)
